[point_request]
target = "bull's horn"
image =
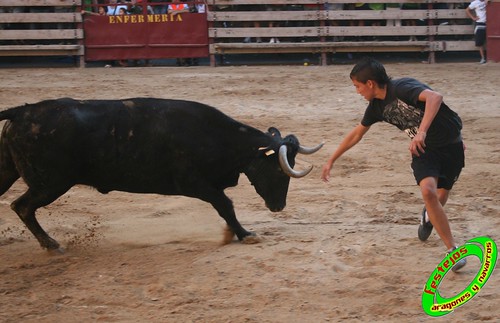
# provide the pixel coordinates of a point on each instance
(285, 166)
(310, 150)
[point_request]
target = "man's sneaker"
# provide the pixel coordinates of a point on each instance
(482, 61)
(459, 264)
(425, 228)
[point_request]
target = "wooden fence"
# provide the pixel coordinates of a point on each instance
(41, 28)
(332, 26)
(54, 27)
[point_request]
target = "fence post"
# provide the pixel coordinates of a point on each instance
(430, 22)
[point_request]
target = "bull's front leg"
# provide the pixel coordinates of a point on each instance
(224, 207)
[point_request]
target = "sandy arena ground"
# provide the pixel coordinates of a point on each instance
(343, 251)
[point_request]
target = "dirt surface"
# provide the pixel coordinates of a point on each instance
(343, 251)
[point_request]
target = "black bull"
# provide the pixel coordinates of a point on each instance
(140, 145)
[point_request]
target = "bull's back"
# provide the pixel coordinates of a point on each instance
(141, 145)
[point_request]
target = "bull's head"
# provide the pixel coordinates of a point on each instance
(270, 173)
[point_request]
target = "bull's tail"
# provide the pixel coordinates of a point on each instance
(9, 114)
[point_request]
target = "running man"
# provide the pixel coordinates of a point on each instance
(435, 132)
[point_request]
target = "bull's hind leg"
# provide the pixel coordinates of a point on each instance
(6, 180)
(26, 206)
(8, 172)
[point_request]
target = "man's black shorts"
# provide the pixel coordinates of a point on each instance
(445, 163)
(480, 34)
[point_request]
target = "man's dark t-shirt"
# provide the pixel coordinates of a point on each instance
(402, 109)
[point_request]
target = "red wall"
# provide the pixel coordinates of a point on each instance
(145, 36)
(493, 31)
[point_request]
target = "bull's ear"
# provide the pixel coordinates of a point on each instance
(274, 132)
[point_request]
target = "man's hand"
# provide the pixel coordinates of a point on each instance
(325, 175)
(417, 144)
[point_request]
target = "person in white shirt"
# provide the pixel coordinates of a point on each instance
(477, 12)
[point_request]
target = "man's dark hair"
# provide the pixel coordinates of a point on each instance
(370, 69)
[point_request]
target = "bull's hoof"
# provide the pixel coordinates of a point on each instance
(248, 237)
(56, 252)
(228, 236)
(51, 245)
(251, 239)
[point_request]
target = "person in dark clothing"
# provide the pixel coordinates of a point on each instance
(436, 143)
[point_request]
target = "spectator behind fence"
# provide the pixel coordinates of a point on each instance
(393, 8)
(101, 11)
(356, 23)
(334, 7)
(159, 7)
(201, 8)
(412, 22)
(115, 7)
(135, 7)
(248, 24)
(479, 17)
(272, 23)
(196, 7)
(176, 7)
(377, 7)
